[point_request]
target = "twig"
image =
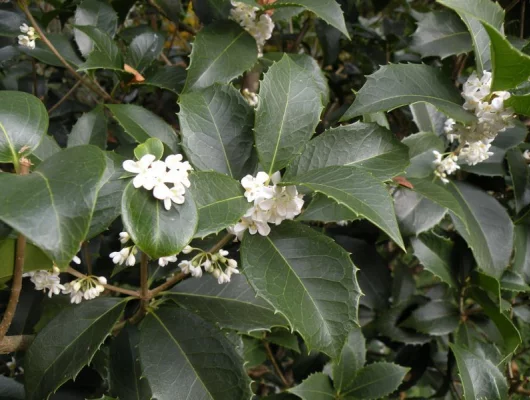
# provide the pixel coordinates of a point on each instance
(277, 368)
(221, 243)
(65, 97)
(10, 344)
(300, 37)
(165, 59)
(24, 165)
(113, 288)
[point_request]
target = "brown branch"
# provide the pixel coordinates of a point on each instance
(18, 270)
(113, 288)
(275, 364)
(10, 344)
(300, 37)
(65, 97)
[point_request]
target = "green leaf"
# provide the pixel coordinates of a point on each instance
(178, 342)
(105, 54)
(369, 147)
(421, 146)
(23, 123)
(167, 77)
(481, 43)
(90, 128)
(328, 10)
(108, 203)
(308, 278)
(358, 191)
(221, 52)
(484, 10)
(520, 174)
(125, 369)
(416, 213)
(287, 114)
(98, 15)
(480, 377)
(352, 359)
(10, 389)
(519, 103)
(63, 45)
(323, 209)
(396, 85)
(10, 22)
(232, 306)
(219, 199)
(315, 387)
(375, 381)
(47, 148)
(58, 354)
(61, 194)
(434, 253)
(150, 146)
(34, 259)
(427, 118)
(141, 124)
(514, 282)
(144, 49)
(441, 34)
(521, 259)
(156, 231)
(436, 318)
(216, 127)
(254, 352)
(487, 228)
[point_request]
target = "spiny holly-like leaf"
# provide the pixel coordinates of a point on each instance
(60, 194)
(308, 278)
(233, 306)
(97, 14)
(221, 52)
(441, 34)
(175, 342)
(369, 147)
(34, 259)
(23, 123)
(155, 230)
(169, 77)
(67, 344)
(521, 258)
(481, 378)
(436, 318)
(144, 49)
(315, 387)
(393, 86)
(90, 128)
(105, 54)
(352, 359)
(487, 228)
(484, 10)
(287, 114)
(141, 124)
(481, 42)
(216, 127)
(219, 199)
(434, 253)
(357, 190)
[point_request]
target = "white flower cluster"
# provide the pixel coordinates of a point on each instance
(27, 40)
(46, 281)
(475, 139)
(259, 26)
(156, 175)
(216, 264)
(87, 288)
(272, 204)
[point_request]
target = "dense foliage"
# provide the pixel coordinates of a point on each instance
(270, 199)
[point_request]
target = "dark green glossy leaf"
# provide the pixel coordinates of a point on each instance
(435, 318)
(427, 118)
(63, 45)
(514, 282)
(67, 344)
(484, 10)
(323, 209)
(34, 259)
(90, 128)
(481, 42)
(316, 387)
(416, 213)
(105, 54)
(175, 342)
(521, 260)
(47, 148)
(232, 306)
(434, 253)
(167, 77)
(216, 127)
(287, 114)
(156, 231)
(61, 195)
(369, 147)
(375, 381)
(97, 14)
(352, 359)
(421, 146)
(305, 276)
(10, 389)
(144, 49)
(10, 22)
(23, 123)
(396, 85)
(221, 52)
(170, 8)
(141, 124)
(220, 201)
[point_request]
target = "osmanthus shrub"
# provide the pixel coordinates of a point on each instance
(192, 207)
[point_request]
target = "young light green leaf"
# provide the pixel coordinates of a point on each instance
(61, 193)
(219, 199)
(357, 190)
(396, 85)
(375, 381)
(480, 377)
(441, 34)
(90, 128)
(434, 253)
(105, 54)
(233, 306)
(175, 341)
(221, 52)
(97, 14)
(520, 173)
(155, 230)
(352, 359)
(144, 49)
(308, 278)
(150, 146)
(216, 127)
(435, 318)
(315, 387)
(58, 354)
(23, 123)
(369, 147)
(287, 114)
(34, 259)
(141, 124)
(487, 228)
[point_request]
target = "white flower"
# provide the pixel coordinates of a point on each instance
(102, 280)
(526, 155)
(175, 195)
(174, 162)
(24, 28)
(140, 168)
(255, 188)
(475, 89)
(124, 237)
(125, 255)
(187, 250)
(29, 30)
(26, 41)
(156, 179)
(223, 278)
(46, 281)
(196, 272)
(445, 166)
(474, 153)
(76, 260)
(163, 261)
(185, 266)
(260, 28)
